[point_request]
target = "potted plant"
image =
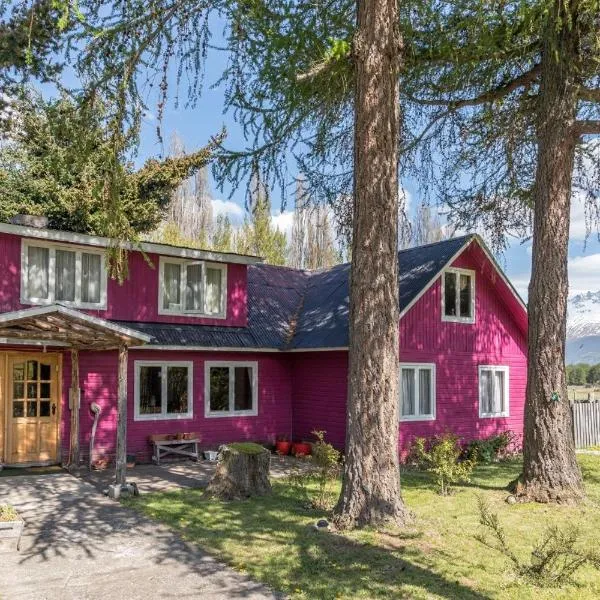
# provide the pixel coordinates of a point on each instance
(11, 525)
(283, 445)
(301, 449)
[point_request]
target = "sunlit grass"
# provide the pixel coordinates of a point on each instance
(273, 541)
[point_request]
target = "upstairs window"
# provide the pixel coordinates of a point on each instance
(193, 288)
(417, 392)
(71, 276)
(230, 389)
(493, 391)
(458, 297)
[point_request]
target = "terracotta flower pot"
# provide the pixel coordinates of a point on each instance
(283, 447)
(301, 449)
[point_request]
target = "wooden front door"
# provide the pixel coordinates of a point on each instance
(32, 409)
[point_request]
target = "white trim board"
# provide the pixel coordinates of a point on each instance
(149, 247)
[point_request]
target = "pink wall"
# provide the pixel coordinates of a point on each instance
(136, 299)
(98, 375)
(319, 379)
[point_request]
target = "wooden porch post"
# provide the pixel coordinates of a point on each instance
(122, 418)
(74, 397)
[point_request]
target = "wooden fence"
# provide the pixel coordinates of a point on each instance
(586, 424)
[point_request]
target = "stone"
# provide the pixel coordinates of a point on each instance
(511, 499)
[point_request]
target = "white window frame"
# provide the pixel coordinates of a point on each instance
(457, 272)
(222, 314)
(494, 368)
(208, 413)
(52, 248)
(163, 415)
(417, 367)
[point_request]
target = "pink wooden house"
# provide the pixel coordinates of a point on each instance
(229, 348)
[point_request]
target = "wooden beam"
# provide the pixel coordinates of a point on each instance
(121, 474)
(74, 395)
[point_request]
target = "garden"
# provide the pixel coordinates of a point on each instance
(468, 539)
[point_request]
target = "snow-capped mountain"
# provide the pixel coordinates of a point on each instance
(583, 328)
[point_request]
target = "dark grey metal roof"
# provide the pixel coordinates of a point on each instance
(293, 309)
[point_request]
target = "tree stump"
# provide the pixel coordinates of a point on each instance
(242, 472)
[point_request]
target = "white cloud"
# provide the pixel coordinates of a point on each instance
(584, 274)
(226, 207)
(284, 221)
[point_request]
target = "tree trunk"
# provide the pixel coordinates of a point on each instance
(371, 486)
(121, 470)
(74, 394)
(242, 472)
(550, 469)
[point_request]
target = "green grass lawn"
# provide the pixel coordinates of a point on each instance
(271, 539)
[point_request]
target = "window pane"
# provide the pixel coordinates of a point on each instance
(32, 369)
(18, 409)
(44, 390)
(425, 392)
(65, 275)
(172, 285)
(193, 294)
(32, 409)
(487, 391)
(465, 295)
(45, 408)
(498, 391)
(18, 390)
(45, 372)
(150, 390)
(243, 388)
(408, 392)
(177, 390)
(450, 294)
(91, 267)
(38, 260)
(32, 390)
(214, 291)
(219, 388)
(19, 372)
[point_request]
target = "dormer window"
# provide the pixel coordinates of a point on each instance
(195, 288)
(65, 275)
(458, 295)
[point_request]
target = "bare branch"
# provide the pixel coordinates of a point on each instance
(589, 94)
(525, 80)
(587, 127)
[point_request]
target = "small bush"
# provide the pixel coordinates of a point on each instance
(492, 448)
(325, 468)
(553, 561)
(441, 456)
(8, 513)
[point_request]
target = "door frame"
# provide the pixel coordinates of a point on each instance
(6, 398)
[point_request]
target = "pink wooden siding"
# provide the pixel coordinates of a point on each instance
(136, 299)
(457, 349)
(98, 373)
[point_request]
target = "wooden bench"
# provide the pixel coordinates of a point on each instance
(165, 445)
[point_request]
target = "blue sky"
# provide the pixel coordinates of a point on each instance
(196, 125)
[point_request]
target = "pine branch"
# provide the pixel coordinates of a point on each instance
(587, 127)
(589, 94)
(525, 80)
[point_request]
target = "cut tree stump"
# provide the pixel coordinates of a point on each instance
(242, 472)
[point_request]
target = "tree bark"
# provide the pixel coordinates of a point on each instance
(550, 469)
(371, 486)
(242, 472)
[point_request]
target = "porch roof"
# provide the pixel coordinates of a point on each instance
(58, 323)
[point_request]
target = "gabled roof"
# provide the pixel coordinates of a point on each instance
(291, 309)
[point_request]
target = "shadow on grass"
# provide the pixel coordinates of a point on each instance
(272, 539)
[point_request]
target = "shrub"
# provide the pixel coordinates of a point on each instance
(441, 456)
(325, 468)
(492, 448)
(8, 513)
(554, 559)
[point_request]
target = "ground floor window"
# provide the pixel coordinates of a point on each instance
(417, 392)
(163, 390)
(230, 389)
(493, 391)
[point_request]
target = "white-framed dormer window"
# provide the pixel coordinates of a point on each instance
(63, 274)
(163, 390)
(458, 295)
(192, 288)
(230, 389)
(493, 391)
(417, 392)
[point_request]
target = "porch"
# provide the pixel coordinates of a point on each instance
(31, 382)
